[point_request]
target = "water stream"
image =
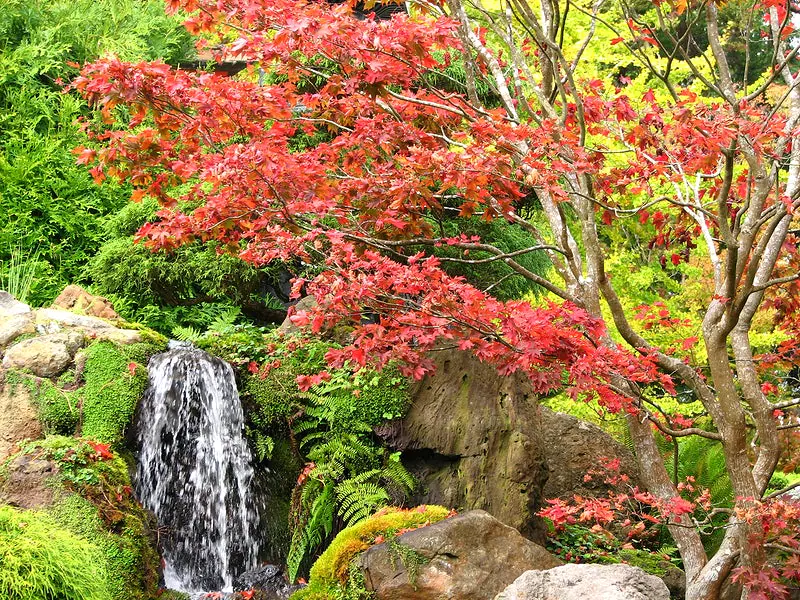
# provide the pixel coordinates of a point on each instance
(195, 470)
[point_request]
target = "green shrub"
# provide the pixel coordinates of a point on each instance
(52, 207)
(129, 560)
(41, 561)
(95, 501)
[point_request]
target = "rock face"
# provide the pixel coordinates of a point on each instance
(471, 556)
(11, 306)
(18, 418)
(26, 486)
(44, 356)
(13, 326)
(573, 447)
(474, 441)
(75, 298)
(44, 342)
(581, 582)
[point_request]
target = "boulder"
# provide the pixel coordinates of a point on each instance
(18, 417)
(474, 440)
(305, 303)
(268, 582)
(13, 326)
(471, 556)
(579, 582)
(45, 356)
(50, 320)
(573, 447)
(65, 318)
(11, 306)
(75, 298)
(26, 482)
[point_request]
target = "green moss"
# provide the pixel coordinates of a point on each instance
(331, 574)
(114, 385)
(41, 561)
(57, 408)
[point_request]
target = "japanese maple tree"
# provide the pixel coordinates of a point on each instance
(357, 145)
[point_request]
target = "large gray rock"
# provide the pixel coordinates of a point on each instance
(474, 441)
(70, 319)
(13, 326)
(572, 448)
(18, 417)
(45, 356)
(584, 582)
(94, 328)
(11, 306)
(471, 556)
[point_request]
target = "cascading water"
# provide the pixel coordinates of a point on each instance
(195, 470)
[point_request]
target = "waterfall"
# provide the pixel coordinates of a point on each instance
(195, 470)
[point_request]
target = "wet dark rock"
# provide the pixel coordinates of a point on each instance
(474, 440)
(268, 581)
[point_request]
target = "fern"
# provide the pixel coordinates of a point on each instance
(359, 477)
(186, 334)
(224, 324)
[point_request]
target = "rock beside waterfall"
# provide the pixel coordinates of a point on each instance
(471, 556)
(18, 417)
(268, 582)
(27, 483)
(581, 582)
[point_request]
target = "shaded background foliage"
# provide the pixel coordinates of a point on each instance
(52, 209)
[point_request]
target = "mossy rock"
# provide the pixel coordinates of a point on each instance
(99, 397)
(114, 384)
(94, 501)
(332, 573)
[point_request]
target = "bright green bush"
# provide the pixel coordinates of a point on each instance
(41, 561)
(94, 501)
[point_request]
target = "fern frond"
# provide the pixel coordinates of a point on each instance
(224, 323)
(186, 334)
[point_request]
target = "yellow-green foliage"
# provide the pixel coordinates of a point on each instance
(330, 574)
(41, 561)
(128, 559)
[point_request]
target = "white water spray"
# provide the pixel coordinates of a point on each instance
(195, 470)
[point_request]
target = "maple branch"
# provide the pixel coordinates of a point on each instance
(709, 435)
(506, 257)
(786, 404)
